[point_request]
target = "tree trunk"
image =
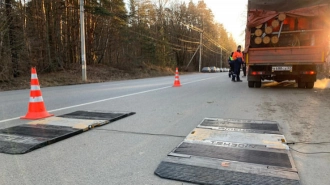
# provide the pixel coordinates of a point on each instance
(47, 35)
(12, 39)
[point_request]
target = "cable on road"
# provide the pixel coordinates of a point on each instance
(309, 143)
(307, 153)
(141, 133)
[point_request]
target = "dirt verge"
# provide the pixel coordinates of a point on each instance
(95, 74)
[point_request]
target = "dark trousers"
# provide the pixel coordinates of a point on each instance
(237, 69)
(231, 69)
(235, 76)
(244, 70)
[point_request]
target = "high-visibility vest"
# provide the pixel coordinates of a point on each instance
(238, 55)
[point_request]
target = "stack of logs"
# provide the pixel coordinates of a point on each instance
(266, 36)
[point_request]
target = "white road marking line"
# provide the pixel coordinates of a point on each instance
(11, 119)
(113, 98)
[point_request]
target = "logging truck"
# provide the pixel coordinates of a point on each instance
(286, 40)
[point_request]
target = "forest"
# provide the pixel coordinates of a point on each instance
(165, 33)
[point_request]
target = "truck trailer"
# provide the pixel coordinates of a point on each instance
(286, 40)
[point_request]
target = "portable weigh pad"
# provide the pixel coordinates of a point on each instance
(25, 138)
(219, 136)
(255, 126)
(36, 134)
(269, 158)
(110, 116)
(231, 151)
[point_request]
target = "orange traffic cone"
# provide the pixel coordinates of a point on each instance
(177, 80)
(36, 109)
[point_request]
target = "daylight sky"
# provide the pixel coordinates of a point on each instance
(232, 14)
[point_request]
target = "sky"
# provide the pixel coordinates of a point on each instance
(232, 14)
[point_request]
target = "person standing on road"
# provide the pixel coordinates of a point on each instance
(238, 61)
(231, 65)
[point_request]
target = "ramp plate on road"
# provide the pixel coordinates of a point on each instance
(25, 138)
(212, 172)
(231, 151)
(109, 116)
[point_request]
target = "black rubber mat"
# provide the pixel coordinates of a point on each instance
(110, 116)
(42, 131)
(228, 124)
(25, 138)
(235, 154)
(202, 175)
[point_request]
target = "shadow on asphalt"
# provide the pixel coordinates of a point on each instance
(280, 85)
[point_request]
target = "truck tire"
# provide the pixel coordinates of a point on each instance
(251, 84)
(258, 84)
(301, 85)
(310, 85)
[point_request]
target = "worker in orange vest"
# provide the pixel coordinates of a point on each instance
(238, 61)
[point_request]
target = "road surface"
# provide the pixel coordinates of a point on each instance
(129, 150)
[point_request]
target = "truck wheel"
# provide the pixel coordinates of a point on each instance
(301, 85)
(258, 84)
(310, 85)
(251, 84)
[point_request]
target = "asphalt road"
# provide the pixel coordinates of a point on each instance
(129, 150)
